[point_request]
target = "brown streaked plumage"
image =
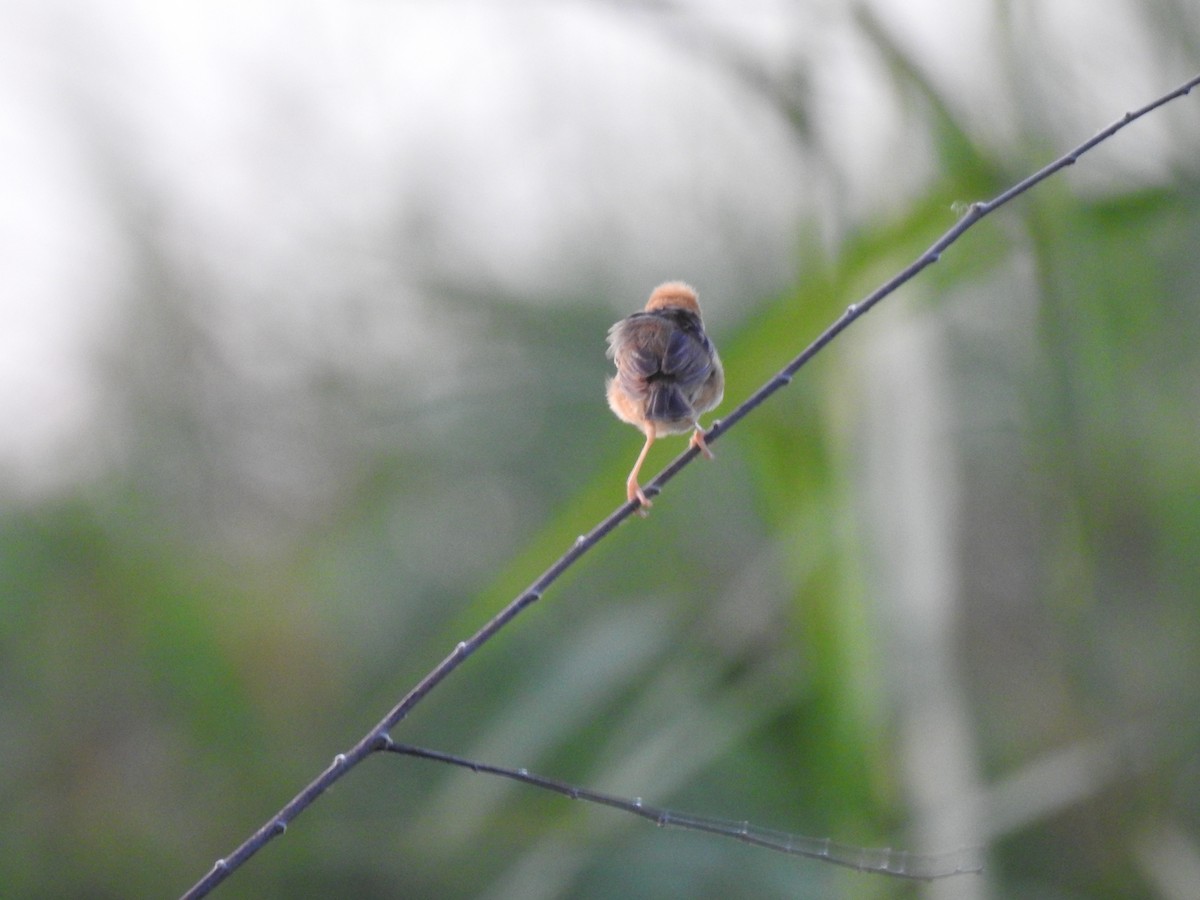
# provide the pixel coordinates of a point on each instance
(668, 372)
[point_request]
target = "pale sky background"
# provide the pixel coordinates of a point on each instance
(292, 155)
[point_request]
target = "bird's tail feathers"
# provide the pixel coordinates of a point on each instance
(666, 402)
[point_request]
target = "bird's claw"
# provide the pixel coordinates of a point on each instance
(699, 443)
(634, 492)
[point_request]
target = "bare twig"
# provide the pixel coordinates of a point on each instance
(377, 739)
(882, 861)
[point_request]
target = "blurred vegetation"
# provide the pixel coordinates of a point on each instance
(941, 590)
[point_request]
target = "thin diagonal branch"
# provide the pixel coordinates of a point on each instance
(881, 861)
(377, 738)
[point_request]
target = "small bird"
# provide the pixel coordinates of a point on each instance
(668, 372)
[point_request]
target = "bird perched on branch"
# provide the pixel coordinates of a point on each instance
(668, 372)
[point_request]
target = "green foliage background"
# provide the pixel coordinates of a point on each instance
(1019, 429)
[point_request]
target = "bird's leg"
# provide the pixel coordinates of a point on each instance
(632, 490)
(699, 443)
